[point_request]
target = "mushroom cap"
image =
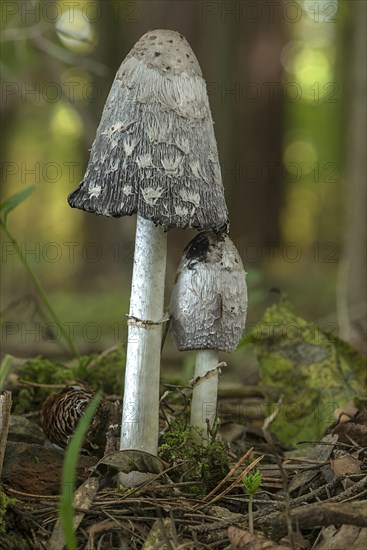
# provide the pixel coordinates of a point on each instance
(209, 297)
(155, 151)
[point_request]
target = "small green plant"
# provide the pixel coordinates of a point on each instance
(251, 483)
(5, 208)
(66, 512)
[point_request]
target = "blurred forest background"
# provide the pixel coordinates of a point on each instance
(287, 86)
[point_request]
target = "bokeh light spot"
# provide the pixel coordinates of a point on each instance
(66, 122)
(313, 71)
(75, 31)
(299, 156)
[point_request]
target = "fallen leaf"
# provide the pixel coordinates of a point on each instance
(161, 533)
(83, 498)
(131, 460)
(346, 536)
(243, 540)
(345, 465)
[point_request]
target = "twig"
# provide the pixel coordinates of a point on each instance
(237, 480)
(230, 474)
(52, 49)
(351, 492)
(269, 440)
(101, 355)
(22, 382)
(316, 515)
(31, 495)
(12, 34)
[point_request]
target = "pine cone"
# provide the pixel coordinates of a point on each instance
(62, 411)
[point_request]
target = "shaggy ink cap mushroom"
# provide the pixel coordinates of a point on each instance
(208, 314)
(155, 151)
(209, 297)
(155, 155)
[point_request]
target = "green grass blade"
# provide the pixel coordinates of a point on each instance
(12, 202)
(41, 292)
(66, 513)
(4, 370)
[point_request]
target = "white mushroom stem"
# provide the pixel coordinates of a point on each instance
(205, 391)
(140, 415)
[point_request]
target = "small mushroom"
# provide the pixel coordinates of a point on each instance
(208, 313)
(155, 155)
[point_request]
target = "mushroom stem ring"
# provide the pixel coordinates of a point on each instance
(134, 321)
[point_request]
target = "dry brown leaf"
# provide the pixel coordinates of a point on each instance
(230, 431)
(346, 536)
(345, 465)
(160, 535)
(243, 540)
(132, 460)
(102, 526)
(321, 452)
(83, 498)
(351, 431)
(134, 479)
(345, 413)
(225, 514)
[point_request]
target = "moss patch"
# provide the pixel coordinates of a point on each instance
(4, 503)
(104, 372)
(205, 464)
(315, 371)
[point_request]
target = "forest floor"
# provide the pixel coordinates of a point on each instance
(310, 497)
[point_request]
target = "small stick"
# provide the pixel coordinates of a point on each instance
(230, 473)
(238, 480)
(22, 382)
(269, 440)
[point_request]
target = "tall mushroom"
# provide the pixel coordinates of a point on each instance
(154, 154)
(208, 313)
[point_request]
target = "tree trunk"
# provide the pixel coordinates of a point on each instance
(352, 286)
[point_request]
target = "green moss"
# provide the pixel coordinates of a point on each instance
(40, 371)
(4, 503)
(10, 537)
(206, 464)
(105, 372)
(315, 371)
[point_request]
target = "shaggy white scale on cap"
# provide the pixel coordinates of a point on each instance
(156, 138)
